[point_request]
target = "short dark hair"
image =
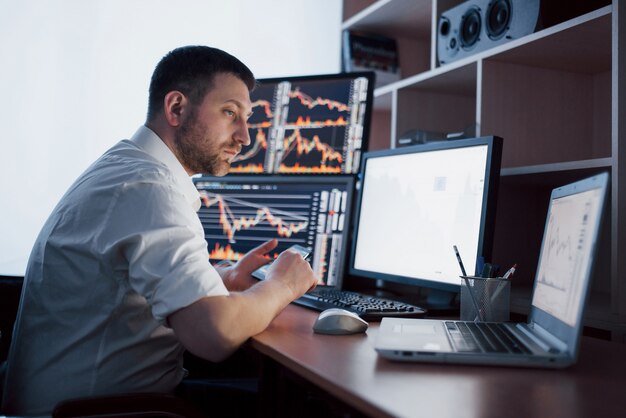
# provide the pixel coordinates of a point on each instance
(191, 70)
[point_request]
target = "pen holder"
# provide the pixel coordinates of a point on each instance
(485, 299)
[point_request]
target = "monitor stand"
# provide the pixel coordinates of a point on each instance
(437, 302)
(441, 302)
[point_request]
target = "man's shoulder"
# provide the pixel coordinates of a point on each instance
(132, 162)
(127, 168)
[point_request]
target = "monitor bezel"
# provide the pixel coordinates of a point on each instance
(487, 220)
(340, 179)
(367, 118)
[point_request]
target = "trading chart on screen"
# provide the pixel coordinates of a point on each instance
(239, 213)
(565, 258)
(308, 125)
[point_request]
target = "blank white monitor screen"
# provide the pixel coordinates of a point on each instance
(416, 203)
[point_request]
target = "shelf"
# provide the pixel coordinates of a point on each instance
(558, 167)
(553, 175)
(580, 45)
(552, 95)
(453, 78)
(411, 22)
(411, 18)
(549, 94)
(382, 100)
(445, 102)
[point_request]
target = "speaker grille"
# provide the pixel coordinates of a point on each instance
(498, 18)
(470, 27)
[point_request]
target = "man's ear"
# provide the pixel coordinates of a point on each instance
(174, 106)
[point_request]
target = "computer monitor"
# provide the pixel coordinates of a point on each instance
(308, 125)
(416, 203)
(239, 213)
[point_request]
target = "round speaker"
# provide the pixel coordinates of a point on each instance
(498, 18)
(470, 27)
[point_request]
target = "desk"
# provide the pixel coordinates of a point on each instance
(351, 371)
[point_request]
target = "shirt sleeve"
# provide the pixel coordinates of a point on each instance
(161, 237)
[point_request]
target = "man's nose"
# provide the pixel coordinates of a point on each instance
(243, 134)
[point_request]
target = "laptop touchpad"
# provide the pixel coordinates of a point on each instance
(422, 329)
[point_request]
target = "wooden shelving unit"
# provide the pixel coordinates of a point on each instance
(556, 96)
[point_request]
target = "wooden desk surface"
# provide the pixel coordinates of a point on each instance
(349, 368)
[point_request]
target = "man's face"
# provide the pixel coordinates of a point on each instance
(212, 133)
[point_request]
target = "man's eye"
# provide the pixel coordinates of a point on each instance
(229, 112)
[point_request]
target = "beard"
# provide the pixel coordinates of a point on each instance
(199, 153)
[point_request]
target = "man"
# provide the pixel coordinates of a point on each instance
(119, 283)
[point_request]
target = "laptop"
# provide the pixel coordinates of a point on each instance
(551, 336)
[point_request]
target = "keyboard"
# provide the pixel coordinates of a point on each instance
(370, 308)
(484, 337)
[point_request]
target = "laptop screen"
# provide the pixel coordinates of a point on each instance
(566, 254)
(566, 259)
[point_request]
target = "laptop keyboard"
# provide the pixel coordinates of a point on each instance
(369, 308)
(485, 337)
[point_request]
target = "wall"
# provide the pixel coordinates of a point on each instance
(74, 80)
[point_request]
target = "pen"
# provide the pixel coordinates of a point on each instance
(502, 285)
(486, 270)
(467, 283)
(458, 257)
(510, 272)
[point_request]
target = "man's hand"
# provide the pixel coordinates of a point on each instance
(239, 276)
(213, 327)
(292, 271)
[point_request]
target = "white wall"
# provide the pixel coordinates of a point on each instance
(74, 80)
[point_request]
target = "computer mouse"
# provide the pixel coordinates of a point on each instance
(337, 321)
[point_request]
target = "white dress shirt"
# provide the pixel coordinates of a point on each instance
(122, 250)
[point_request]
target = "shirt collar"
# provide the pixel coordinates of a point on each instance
(151, 143)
